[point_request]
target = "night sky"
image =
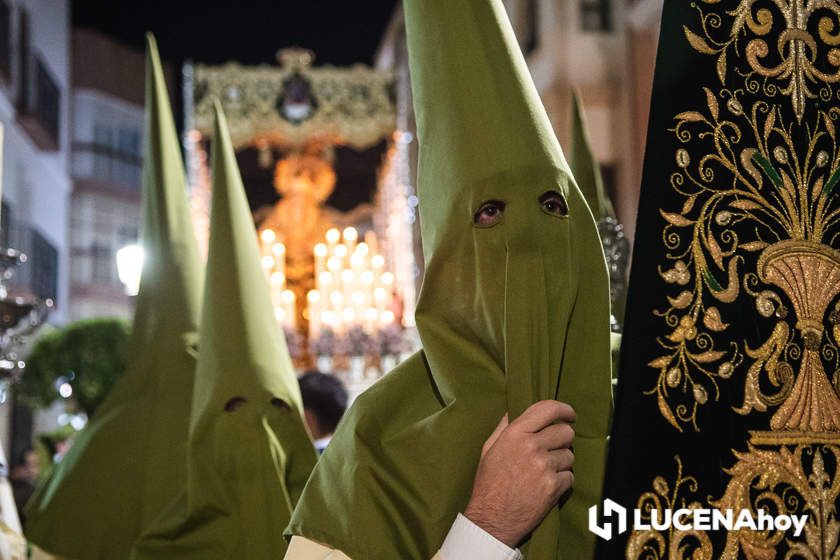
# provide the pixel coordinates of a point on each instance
(339, 32)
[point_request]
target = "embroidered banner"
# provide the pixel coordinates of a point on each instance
(728, 384)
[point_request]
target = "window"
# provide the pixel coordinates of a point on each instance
(23, 59)
(47, 102)
(129, 142)
(103, 135)
(5, 39)
(43, 260)
(102, 264)
(5, 227)
(39, 95)
(595, 15)
(127, 235)
(114, 156)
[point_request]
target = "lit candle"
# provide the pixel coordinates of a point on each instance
(333, 235)
(320, 258)
(348, 280)
(267, 263)
(350, 237)
(314, 300)
(357, 262)
(276, 283)
(336, 299)
(378, 263)
(288, 300)
(279, 252)
(328, 319)
(380, 296)
(340, 252)
(267, 236)
(387, 317)
(372, 242)
(359, 304)
(324, 281)
(371, 316)
(333, 264)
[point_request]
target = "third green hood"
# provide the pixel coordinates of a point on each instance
(249, 453)
(585, 167)
(129, 461)
(514, 308)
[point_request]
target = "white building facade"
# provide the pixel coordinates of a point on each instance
(106, 166)
(34, 111)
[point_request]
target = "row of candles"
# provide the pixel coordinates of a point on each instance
(352, 287)
(284, 301)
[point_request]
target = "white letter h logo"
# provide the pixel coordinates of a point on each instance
(610, 508)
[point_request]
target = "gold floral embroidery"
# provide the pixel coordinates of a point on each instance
(653, 545)
(758, 218)
(799, 481)
(753, 191)
(797, 59)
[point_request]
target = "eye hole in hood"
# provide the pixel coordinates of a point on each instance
(235, 403)
(489, 213)
(554, 204)
(280, 403)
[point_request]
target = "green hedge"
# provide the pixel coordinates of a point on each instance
(93, 350)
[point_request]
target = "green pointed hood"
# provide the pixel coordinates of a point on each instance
(510, 312)
(585, 167)
(243, 353)
(131, 458)
(168, 302)
(249, 451)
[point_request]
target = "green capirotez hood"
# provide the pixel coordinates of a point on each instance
(585, 167)
(249, 452)
(508, 314)
(129, 461)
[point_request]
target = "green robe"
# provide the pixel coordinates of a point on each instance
(249, 452)
(129, 461)
(508, 315)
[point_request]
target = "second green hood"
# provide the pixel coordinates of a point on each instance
(249, 453)
(129, 461)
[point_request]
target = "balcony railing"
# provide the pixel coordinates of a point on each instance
(5, 40)
(105, 164)
(38, 276)
(40, 105)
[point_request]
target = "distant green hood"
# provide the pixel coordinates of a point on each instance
(508, 314)
(130, 460)
(249, 452)
(585, 166)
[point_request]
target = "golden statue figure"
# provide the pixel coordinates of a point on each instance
(304, 181)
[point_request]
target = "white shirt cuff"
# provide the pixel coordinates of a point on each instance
(467, 541)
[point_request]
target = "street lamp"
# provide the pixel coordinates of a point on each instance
(129, 267)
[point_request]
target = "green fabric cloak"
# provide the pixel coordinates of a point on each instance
(126, 465)
(508, 314)
(585, 167)
(249, 453)
(587, 174)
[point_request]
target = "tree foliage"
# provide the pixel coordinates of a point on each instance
(90, 355)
